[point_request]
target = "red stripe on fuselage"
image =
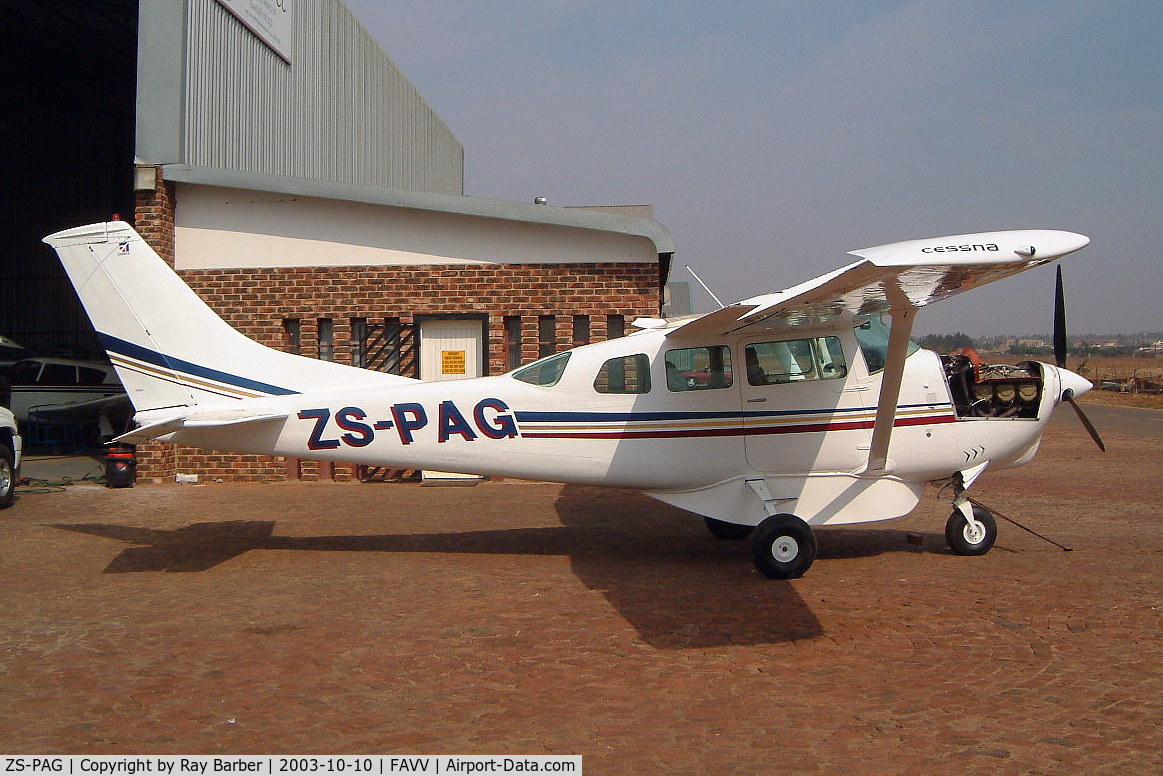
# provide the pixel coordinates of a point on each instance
(805, 428)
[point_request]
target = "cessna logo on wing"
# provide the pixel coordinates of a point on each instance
(956, 248)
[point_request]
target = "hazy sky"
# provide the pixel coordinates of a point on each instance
(774, 136)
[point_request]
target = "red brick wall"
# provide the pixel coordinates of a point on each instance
(154, 218)
(257, 301)
(154, 221)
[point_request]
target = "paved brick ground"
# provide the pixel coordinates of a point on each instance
(525, 619)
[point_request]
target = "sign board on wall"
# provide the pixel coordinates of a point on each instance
(453, 362)
(273, 21)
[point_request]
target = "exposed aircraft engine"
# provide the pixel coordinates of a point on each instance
(992, 390)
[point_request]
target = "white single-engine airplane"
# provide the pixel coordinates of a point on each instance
(782, 412)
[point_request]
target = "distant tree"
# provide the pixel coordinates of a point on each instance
(1018, 349)
(945, 343)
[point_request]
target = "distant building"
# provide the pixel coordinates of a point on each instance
(676, 299)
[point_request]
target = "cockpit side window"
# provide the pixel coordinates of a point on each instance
(624, 374)
(787, 361)
(545, 372)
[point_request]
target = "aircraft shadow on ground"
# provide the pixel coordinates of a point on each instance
(657, 565)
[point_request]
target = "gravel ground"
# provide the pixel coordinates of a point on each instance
(516, 618)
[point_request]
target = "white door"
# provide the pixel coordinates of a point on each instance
(803, 410)
(451, 349)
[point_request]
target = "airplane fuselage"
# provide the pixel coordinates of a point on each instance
(624, 413)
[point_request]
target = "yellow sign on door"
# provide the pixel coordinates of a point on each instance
(453, 362)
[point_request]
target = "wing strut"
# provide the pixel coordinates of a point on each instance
(903, 314)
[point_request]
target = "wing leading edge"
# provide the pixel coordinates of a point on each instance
(897, 279)
(897, 276)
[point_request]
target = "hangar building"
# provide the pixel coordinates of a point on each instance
(278, 159)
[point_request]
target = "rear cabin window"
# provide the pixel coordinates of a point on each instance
(789, 361)
(545, 373)
(698, 369)
(624, 374)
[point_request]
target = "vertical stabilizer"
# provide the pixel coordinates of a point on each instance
(169, 348)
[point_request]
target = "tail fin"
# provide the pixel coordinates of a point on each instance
(169, 348)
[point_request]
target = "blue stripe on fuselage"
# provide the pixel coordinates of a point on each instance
(130, 350)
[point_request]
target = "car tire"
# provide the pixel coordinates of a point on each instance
(7, 477)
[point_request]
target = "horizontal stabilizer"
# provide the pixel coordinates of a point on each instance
(211, 419)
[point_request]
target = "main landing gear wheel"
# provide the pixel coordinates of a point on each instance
(967, 539)
(729, 532)
(783, 547)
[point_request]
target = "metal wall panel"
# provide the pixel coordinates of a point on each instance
(340, 111)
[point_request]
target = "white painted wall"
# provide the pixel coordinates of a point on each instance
(219, 228)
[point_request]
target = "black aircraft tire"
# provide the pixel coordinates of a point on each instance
(961, 540)
(728, 532)
(7, 477)
(783, 547)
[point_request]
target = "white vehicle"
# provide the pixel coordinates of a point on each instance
(780, 413)
(10, 451)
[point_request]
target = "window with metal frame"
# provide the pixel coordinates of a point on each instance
(698, 369)
(789, 361)
(512, 342)
(624, 374)
(326, 339)
(546, 335)
(545, 372)
(292, 335)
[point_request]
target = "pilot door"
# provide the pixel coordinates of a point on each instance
(804, 409)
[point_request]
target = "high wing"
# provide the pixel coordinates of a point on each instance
(897, 276)
(897, 279)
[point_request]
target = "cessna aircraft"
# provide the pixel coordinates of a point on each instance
(768, 417)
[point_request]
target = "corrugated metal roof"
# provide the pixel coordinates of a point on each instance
(340, 111)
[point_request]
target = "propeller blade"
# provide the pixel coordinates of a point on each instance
(1086, 423)
(1059, 322)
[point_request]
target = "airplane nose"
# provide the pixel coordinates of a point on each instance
(1076, 384)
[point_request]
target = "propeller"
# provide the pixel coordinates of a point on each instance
(1060, 358)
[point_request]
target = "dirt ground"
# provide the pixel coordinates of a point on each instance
(540, 619)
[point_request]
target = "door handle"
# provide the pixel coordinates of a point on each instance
(756, 401)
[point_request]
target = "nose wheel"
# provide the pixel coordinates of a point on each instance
(783, 547)
(971, 537)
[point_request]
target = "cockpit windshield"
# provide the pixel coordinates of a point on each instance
(873, 338)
